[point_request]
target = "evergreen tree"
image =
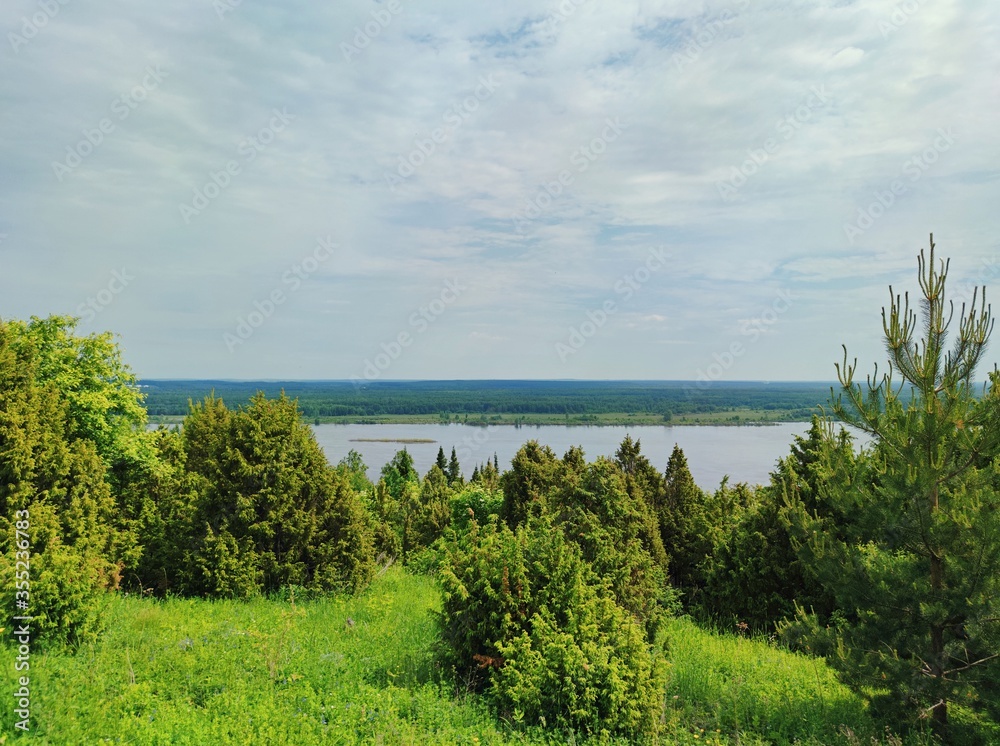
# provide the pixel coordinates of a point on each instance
(618, 536)
(917, 572)
(685, 525)
(755, 575)
(643, 485)
(435, 508)
(273, 512)
(454, 471)
(442, 461)
(534, 471)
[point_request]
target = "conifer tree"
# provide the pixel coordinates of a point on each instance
(917, 572)
(454, 470)
(684, 523)
(442, 461)
(273, 512)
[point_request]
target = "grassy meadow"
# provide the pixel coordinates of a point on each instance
(361, 670)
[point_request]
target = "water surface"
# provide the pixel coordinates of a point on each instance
(744, 453)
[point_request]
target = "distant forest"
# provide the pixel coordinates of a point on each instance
(796, 401)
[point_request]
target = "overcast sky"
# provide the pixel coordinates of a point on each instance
(442, 190)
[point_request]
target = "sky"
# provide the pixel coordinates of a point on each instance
(519, 190)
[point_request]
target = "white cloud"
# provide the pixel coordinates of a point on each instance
(687, 122)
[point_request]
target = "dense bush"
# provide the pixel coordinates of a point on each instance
(267, 510)
(755, 575)
(527, 619)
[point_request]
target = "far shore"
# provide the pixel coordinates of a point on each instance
(728, 418)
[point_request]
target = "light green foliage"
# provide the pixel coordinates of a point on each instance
(475, 502)
(73, 549)
(435, 507)
(534, 473)
(104, 402)
(166, 520)
(617, 535)
(916, 571)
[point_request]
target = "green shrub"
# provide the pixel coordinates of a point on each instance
(271, 511)
(475, 502)
(526, 619)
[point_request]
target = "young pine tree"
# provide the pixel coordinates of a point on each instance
(916, 572)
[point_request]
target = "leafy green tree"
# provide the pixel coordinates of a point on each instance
(104, 403)
(353, 467)
(917, 572)
(53, 488)
(474, 502)
(165, 522)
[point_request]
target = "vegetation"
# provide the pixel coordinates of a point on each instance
(224, 583)
(361, 670)
(513, 402)
(915, 571)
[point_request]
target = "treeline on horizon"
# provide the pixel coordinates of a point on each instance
(788, 400)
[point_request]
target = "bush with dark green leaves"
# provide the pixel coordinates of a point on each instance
(269, 512)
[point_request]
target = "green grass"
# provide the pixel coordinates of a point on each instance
(361, 670)
(740, 691)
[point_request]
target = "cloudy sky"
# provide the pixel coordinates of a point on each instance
(406, 189)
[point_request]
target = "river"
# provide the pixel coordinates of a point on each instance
(744, 453)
